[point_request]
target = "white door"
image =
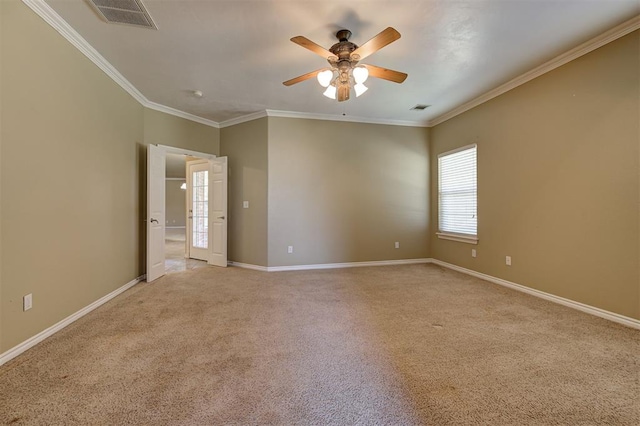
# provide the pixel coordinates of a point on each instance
(198, 209)
(218, 216)
(155, 212)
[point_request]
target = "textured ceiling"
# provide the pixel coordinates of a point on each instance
(238, 52)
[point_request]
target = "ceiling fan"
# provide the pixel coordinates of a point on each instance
(343, 57)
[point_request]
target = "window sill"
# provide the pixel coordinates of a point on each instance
(469, 239)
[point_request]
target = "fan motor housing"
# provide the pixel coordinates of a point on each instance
(343, 48)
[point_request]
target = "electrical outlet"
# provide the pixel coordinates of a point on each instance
(473, 253)
(27, 302)
(397, 244)
(245, 204)
(290, 249)
(508, 260)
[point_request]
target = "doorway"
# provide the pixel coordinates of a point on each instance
(198, 210)
(177, 256)
(177, 242)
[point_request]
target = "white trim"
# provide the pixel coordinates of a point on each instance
(181, 114)
(243, 119)
(42, 9)
(175, 178)
(330, 117)
(611, 316)
(581, 50)
(46, 12)
(174, 150)
(469, 239)
(314, 116)
(346, 265)
(34, 340)
(328, 265)
(248, 266)
(462, 148)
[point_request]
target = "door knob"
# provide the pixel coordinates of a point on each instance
(221, 217)
(154, 220)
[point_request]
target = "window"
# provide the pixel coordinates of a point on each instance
(458, 195)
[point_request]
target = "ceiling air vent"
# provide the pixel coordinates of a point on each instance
(128, 12)
(420, 107)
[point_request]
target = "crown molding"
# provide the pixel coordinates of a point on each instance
(313, 116)
(50, 16)
(581, 50)
(243, 119)
(43, 10)
(330, 117)
(181, 114)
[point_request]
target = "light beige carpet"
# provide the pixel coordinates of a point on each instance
(397, 345)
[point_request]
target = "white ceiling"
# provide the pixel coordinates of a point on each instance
(238, 52)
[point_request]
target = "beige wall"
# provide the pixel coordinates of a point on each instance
(175, 202)
(246, 147)
(165, 129)
(72, 215)
(2, 42)
(558, 181)
(558, 174)
(70, 212)
(345, 192)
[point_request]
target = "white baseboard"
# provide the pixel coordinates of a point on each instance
(611, 316)
(32, 341)
(346, 265)
(248, 266)
(329, 265)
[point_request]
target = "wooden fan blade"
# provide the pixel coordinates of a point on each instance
(378, 42)
(315, 48)
(303, 77)
(385, 74)
(343, 92)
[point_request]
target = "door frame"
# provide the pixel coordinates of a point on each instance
(173, 150)
(189, 226)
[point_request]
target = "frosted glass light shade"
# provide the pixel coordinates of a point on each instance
(360, 75)
(183, 186)
(325, 77)
(330, 92)
(360, 89)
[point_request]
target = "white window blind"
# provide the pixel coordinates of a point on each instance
(457, 191)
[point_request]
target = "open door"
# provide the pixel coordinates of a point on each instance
(198, 223)
(155, 212)
(218, 211)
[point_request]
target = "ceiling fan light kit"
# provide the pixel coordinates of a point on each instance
(343, 57)
(331, 91)
(325, 77)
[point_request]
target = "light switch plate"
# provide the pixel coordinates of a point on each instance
(245, 204)
(27, 302)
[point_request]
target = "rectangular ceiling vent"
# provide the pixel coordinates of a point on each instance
(420, 107)
(128, 12)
